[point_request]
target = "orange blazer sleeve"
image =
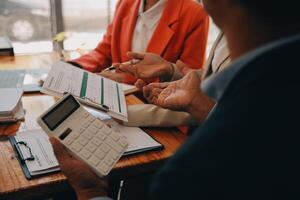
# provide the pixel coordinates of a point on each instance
(194, 49)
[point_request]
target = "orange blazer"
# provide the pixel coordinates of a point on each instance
(181, 34)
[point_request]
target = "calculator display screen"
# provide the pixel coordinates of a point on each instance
(60, 113)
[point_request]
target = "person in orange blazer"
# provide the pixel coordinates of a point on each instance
(180, 34)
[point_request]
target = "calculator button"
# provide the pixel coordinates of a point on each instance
(68, 140)
(115, 136)
(76, 147)
(113, 154)
(85, 153)
(98, 124)
(94, 160)
(105, 148)
(82, 129)
(93, 130)
(88, 135)
(100, 154)
(123, 142)
(114, 145)
(92, 119)
(82, 140)
(91, 147)
(75, 135)
(103, 168)
(72, 137)
(100, 136)
(109, 161)
(106, 130)
(85, 114)
(96, 141)
(86, 124)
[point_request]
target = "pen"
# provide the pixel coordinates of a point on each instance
(131, 62)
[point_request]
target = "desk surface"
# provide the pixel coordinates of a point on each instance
(12, 181)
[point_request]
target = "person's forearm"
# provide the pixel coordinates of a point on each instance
(200, 107)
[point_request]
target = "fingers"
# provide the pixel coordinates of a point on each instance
(140, 84)
(147, 91)
(131, 69)
(152, 90)
(151, 93)
(135, 55)
(160, 85)
(116, 76)
(154, 95)
(117, 66)
(59, 150)
(182, 67)
(105, 74)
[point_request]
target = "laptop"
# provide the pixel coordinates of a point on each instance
(30, 80)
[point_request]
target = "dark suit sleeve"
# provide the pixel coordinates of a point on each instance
(245, 150)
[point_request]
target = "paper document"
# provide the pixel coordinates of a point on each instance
(138, 140)
(128, 89)
(44, 158)
(11, 107)
(91, 89)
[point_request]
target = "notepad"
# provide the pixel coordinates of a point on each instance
(89, 88)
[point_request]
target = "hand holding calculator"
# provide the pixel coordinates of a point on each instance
(87, 138)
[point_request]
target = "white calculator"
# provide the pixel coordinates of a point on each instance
(87, 138)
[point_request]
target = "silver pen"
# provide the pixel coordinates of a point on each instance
(130, 62)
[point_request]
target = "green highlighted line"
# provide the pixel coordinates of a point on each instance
(119, 102)
(102, 92)
(84, 84)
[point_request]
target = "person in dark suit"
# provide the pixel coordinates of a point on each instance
(248, 146)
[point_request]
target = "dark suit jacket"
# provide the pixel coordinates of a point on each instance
(249, 147)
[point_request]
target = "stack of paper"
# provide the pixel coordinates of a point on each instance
(11, 108)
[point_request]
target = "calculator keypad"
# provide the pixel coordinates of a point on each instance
(96, 144)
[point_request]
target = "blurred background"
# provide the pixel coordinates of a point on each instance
(32, 24)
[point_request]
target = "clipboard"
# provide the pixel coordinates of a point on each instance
(33, 152)
(20, 156)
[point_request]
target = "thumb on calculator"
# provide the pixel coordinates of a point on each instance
(84, 181)
(59, 150)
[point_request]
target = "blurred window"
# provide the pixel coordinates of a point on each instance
(85, 23)
(30, 26)
(29, 23)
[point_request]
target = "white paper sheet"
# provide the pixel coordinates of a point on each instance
(93, 88)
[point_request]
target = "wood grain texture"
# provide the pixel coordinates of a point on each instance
(14, 185)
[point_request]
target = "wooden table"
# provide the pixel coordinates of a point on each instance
(14, 185)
